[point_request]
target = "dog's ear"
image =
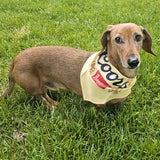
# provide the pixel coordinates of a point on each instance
(106, 36)
(147, 42)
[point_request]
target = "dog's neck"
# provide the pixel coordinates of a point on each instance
(129, 73)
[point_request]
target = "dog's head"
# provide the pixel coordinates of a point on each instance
(124, 42)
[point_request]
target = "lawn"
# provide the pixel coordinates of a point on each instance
(77, 130)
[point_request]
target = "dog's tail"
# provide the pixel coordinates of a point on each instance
(11, 83)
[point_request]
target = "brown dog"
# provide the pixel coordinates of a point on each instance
(51, 67)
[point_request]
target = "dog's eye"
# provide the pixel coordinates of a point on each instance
(118, 40)
(138, 38)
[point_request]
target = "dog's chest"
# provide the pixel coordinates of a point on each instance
(104, 82)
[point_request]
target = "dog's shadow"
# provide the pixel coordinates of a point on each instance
(68, 102)
(68, 99)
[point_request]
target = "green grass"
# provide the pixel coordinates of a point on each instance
(76, 130)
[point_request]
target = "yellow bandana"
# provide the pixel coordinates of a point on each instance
(105, 83)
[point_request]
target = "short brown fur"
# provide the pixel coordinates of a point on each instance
(38, 69)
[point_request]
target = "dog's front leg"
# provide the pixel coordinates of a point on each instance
(98, 106)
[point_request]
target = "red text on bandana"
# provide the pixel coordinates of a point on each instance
(99, 80)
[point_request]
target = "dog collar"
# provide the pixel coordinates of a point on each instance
(103, 82)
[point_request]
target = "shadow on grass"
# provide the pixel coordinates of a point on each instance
(69, 105)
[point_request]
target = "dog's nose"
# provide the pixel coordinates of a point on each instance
(133, 63)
